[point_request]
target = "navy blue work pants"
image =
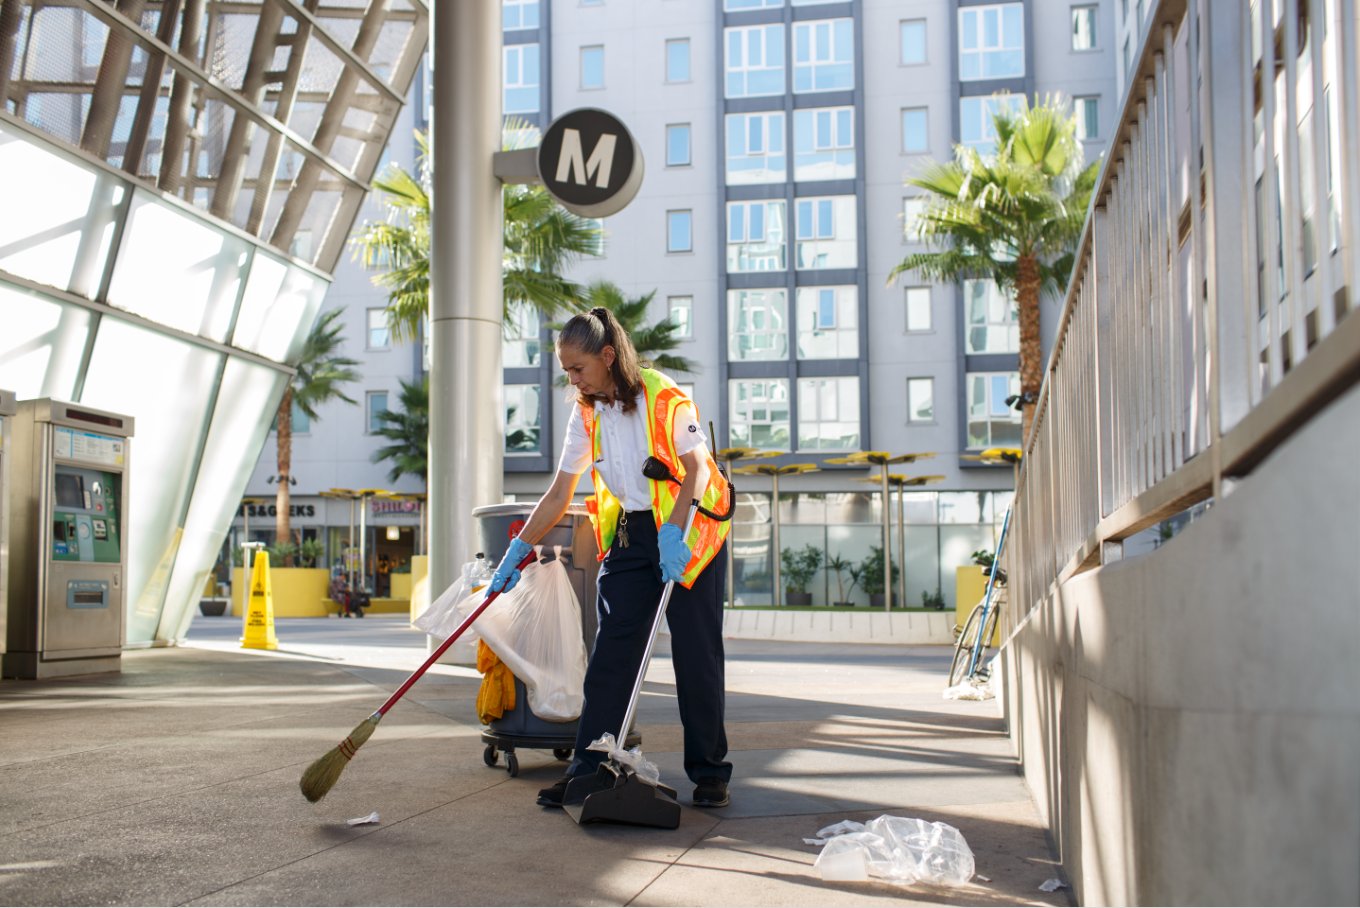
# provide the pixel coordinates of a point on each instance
(630, 589)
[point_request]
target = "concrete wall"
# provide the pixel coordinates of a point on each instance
(1188, 719)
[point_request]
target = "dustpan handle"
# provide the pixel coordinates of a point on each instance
(651, 641)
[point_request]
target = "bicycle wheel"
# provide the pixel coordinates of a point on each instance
(963, 648)
(988, 633)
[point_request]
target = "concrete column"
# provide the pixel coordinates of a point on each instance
(467, 440)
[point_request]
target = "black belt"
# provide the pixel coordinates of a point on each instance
(631, 514)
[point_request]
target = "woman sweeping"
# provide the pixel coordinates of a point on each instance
(623, 415)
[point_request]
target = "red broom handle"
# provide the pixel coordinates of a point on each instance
(434, 657)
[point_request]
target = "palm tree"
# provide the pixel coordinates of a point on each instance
(320, 373)
(1014, 218)
(409, 432)
(652, 341)
(542, 240)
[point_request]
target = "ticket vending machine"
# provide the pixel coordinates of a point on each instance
(68, 548)
(7, 411)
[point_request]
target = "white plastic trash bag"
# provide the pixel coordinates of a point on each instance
(535, 629)
(896, 850)
(969, 689)
(646, 770)
(443, 616)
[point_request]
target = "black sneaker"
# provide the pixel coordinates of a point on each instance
(711, 793)
(552, 797)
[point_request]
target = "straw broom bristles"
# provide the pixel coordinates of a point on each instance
(322, 775)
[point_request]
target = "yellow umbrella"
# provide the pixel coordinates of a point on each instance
(774, 471)
(729, 456)
(901, 482)
(882, 459)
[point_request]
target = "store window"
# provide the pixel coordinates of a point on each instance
(823, 56)
(976, 125)
(682, 315)
(758, 413)
(920, 400)
(517, 14)
(677, 60)
(991, 316)
(757, 325)
(376, 403)
(913, 42)
(991, 421)
(824, 144)
(1083, 28)
(755, 149)
(756, 236)
(521, 419)
(521, 78)
(828, 414)
(918, 308)
(520, 346)
(379, 335)
(754, 59)
(828, 322)
(991, 42)
(677, 145)
(679, 237)
(826, 231)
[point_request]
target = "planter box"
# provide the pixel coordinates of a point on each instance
(797, 598)
(298, 592)
(213, 608)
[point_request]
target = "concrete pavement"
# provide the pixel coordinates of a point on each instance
(176, 783)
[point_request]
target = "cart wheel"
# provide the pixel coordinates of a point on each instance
(512, 765)
(489, 756)
(562, 754)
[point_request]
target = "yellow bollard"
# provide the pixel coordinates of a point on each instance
(260, 611)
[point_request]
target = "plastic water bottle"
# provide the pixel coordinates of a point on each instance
(479, 572)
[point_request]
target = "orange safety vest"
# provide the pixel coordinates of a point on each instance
(706, 535)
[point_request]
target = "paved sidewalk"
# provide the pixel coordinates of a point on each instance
(176, 783)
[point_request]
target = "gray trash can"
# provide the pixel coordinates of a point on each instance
(497, 524)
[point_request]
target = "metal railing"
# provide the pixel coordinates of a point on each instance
(1207, 315)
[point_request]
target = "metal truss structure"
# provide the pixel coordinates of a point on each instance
(270, 115)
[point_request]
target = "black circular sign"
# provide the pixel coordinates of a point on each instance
(590, 162)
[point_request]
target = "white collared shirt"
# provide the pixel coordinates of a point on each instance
(623, 448)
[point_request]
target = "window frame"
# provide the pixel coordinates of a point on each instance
(813, 62)
(1079, 107)
(902, 44)
(1014, 417)
(689, 227)
(845, 321)
(768, 133)
(521, 4)
(774, 302)
(1076, 9)
(684, 331)
(587, 48)
(369, 412)
(987, 108)
(807, 382)
(912, 418)
(507, 85)
(925, 115)
(745, 30)
(689, 68)
(689, 144)
(745, 240)
(368, 330)
(818, 207)
(537, 424)
(982, 49)
(733, 384)
(1009, 323)
(930, 309)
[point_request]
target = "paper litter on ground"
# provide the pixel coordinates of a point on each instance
(897, 850)
(363, 821)
(969, 689)
(1052, 885)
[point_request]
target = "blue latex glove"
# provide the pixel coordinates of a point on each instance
(675, 554)
(507, 573)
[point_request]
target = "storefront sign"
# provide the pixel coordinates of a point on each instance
(590, 163)
(387, 506)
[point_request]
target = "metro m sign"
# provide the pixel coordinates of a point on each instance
(590, 163)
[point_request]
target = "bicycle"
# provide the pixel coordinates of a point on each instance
(981, 624)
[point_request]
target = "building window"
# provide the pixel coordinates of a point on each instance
(757, 325)
(677, 60)
(1140, 15)
(755, 61)
(1083, 28)
(918, 308)
(1088, 118)
(991, 42)
(1128, 58)
(758, 413)
(517, 14)
(521, 78)
(823, 55)
(920, 400)
(379, 335)
(682, 315)
(592, 67)
(828, 322)
(755, 149)
(756, 236)
(828, 414)
(824, 144)
(678, 234)
(826, 232)
(519, 344)
(992, 319)
(376, 405)
(914, 132)
(521, 419)
(991, 422)
(976, 126)
(686, 388)
(301, 422)
(912, 209)
(913, 42)
(735, 5)
(677, 145)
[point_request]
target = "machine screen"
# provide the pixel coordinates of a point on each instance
(70, 490)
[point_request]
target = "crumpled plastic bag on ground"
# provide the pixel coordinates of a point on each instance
(897, 850)
(1052, 885)
(632, 757)
(969, 689)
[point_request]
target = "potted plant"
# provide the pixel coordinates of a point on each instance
(871, 576)
(840, 564)
(799, 568)
(933, 600)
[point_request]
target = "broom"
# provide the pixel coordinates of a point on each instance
(322, 775)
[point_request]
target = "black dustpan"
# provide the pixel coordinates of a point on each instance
(617, 794)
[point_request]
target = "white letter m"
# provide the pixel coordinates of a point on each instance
(573, 156)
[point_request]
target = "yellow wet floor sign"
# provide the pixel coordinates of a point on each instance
(260, 610)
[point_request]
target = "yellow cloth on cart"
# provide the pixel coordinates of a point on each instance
(497, 693)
